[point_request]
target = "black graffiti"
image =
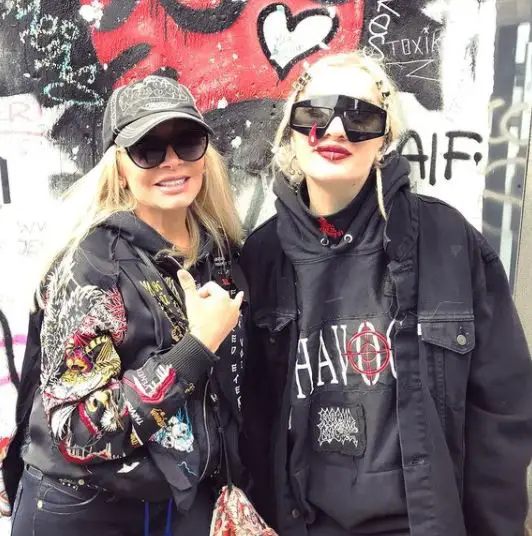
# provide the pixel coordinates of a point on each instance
(420, 158)
(116, 13)
(213, 20)
(79, 125)
(424, 45)
(10, 354)
(125, 61)
(379, 26)
(471, 51)
(291, 24)
(458, 155)
(4, 179)
(408, 41)
(59, 182)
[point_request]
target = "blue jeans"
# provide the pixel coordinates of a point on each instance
(46, 507)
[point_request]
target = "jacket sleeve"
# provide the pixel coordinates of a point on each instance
(498, 428)
(256, 437)
(96, 411)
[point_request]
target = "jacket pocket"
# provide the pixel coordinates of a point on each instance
(449, 347)
(273, 321)
(455, 336)
(56, 498)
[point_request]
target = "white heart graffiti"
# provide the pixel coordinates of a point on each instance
(286, 38)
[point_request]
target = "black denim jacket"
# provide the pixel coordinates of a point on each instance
(464, 387)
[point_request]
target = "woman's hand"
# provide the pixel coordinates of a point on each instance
(211, 312)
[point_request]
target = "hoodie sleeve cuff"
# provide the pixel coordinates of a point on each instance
(190, 358)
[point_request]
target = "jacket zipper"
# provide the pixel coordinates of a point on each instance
(206, 424)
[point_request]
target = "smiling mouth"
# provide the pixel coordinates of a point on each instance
(172, 183)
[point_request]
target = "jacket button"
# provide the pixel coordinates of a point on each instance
(461, 340)
(296, 513)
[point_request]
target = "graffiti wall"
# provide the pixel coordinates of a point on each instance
(60, 59)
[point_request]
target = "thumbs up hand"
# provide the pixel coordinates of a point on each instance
(211, 312)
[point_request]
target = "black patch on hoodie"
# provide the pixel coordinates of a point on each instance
(338, 428)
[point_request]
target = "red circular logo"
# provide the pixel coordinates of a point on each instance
(368, 351)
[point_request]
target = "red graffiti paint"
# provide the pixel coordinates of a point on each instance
(235, 50)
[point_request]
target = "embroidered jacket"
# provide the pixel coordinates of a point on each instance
(124, 398)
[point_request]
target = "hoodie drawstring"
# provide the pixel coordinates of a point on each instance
(146, 519)
(168, 526)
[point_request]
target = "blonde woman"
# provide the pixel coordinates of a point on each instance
(390, 387)
(132, 362)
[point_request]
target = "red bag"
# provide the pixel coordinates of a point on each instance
(234, 515)
(5, 509)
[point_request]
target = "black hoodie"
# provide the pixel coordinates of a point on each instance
(125, 400)
(345, 455)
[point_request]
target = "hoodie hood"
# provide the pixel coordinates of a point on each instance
(144, 236)
(299, 229)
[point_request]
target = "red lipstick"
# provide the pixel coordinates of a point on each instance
(332, 152)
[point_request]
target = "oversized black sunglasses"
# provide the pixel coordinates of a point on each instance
(362, 120)
(150, 151)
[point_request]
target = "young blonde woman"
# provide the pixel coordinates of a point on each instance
(390, 387)
(132, 363)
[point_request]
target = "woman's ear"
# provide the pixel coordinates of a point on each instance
(121, 179)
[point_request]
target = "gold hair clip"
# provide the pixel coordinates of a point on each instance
(301, 82)
(384, 94)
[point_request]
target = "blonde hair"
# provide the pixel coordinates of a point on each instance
(284, 158)
(98, 195)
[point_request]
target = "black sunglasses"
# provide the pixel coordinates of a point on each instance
(361, 120)
(149, 152)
